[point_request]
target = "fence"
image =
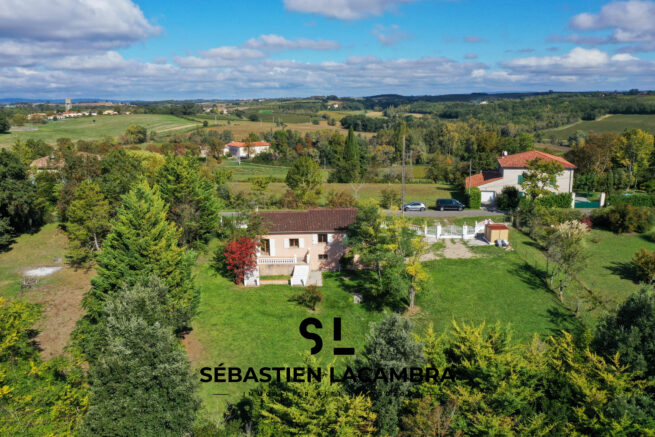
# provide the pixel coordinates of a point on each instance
(452, 231)
(277, 260)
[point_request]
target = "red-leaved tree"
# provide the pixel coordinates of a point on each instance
(241, 257)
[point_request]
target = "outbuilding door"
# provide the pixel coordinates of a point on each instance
(488, 197)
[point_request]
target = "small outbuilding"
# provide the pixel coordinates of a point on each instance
(496, 231)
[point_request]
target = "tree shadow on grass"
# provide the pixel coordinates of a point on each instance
(361, 282)
(624, 270)
(534, 277)
(563, 320)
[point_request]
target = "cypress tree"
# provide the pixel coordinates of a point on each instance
(141, 383)
(141, 243)
(348, 165)
(193, 205)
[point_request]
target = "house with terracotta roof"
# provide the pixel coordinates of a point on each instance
(299, 242)
(510, 173)
(242, 149)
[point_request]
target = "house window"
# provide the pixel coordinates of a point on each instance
(323, 257)
(294, 242)
(322, 238)
(266, 246)
(520, 179)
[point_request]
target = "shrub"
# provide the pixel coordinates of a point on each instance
(627, 218)
(474, 198)
(509, 198)
(390, 197)
(309, 297)
(240, 257)
(289, 200)
(340, 199)
(587, 221)
(644, 263)
(559, 200)
(632, 199)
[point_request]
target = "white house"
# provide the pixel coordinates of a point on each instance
(240, 149)
(510, 173)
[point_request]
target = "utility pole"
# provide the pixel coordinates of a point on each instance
(402, 200)
(470, 178)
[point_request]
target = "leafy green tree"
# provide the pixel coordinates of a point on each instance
(541, 177)
(389, 345)
(118, 173)
(31, 149)
(141, 243)
(304, 179)
(634, 149)
(21, 209)
(193, 206)
(136, 134)
(316, 408)
(4, 123)
(88, 223)
(348, 164)
(565, 249)
(141, 383)
(630, 332)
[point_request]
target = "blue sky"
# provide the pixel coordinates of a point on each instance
(147, 49)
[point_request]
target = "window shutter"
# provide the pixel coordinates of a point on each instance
(520, 179)
(272, 246)
(330, 238)
(314, 238)
(286, 243)
(301, 242)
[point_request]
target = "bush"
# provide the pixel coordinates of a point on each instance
(632, 199)
(623, 218)
(559, 200)
(340, 199)
(289, 200)
(309, 297)
(390, 197)
(509, 198)
(474, 198)
(644, 263)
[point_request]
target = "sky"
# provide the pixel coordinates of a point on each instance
(231, 49)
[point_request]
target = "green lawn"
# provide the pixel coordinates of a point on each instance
(257, 327)
(85, 128)
(613, 123)
(427, 193)
(608, 272)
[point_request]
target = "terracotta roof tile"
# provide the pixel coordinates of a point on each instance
(482, 178)
(243, 144)
(312, 220)
(520, 160)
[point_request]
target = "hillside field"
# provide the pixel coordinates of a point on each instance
(240, 129)
(612, 123)
(85, 127)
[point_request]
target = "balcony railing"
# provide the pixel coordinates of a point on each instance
(276, 260)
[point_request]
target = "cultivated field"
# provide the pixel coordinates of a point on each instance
(612, 123)
(85, 127)
(242, 128)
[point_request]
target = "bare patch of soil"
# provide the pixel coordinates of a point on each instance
(193, 346)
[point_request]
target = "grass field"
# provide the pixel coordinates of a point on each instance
(258, 327)
(427, 193)
(612, 123)
(59, 294)
(241, 129)
(85, 128)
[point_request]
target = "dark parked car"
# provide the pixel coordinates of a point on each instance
(443, 204)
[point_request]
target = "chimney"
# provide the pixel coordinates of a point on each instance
(504, 152)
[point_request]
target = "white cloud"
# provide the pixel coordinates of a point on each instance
(232, 53)
(344, 9)
(390, 35)
(473, 39)
(278, 43)
(630, 22)
(470, 56)
(105, 22)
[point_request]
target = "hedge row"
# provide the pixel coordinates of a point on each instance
(559, 200)
(641, 199)
(474, 198)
